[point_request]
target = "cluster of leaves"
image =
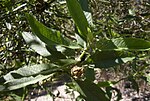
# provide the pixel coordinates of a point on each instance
(95, 44)
(14, 51)
(125, 18)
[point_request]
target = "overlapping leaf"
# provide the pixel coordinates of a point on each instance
(49, 36)
(27, 75)
(46, 34)
(40, 47)
(36, 44)
(27, 71)
(114, 52)
(22, 82)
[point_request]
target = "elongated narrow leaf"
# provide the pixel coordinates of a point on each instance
(78, 17)
(136, 44)
(110, 52)
(31, 71)
(91, 91)
(22, 82)
(85, 7)
(105, 59)
(119, 44)
(27, 75)
(49, 36)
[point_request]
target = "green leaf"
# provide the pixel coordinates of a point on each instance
(119, 44)
(113, 52)
(105, 59)
(28, 75)
(88, 15)
(48, 42)
(90, 74)
(91, 91)
(14, 84)
(49, 36)
(53, 53)
(22, 82)
(78, 17)
(31, 71)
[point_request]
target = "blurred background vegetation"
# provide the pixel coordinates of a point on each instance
(111, 18)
